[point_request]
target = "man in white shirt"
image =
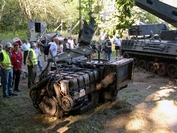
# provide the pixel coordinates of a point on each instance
(71, 42)
(25, 48)
(117, 41)
(52, 49)
(38, 54)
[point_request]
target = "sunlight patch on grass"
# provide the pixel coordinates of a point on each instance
(167, 108)
(136, 124)
(62, 129)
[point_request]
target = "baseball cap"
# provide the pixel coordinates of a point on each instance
(8, 45)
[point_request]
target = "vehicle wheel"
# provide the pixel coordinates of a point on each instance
(126, 55)
(150, 67)
(162, 70)
(172, 70)
(135, 62)
(142, 64)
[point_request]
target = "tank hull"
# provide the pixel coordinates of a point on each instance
(152, 55)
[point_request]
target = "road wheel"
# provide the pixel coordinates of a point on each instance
(135, 62)
(151, 67)
(142, 64)
(162, 70)
(126, 55)
(172, 70)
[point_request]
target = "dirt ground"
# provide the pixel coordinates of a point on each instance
(154, 105)
(147, 105)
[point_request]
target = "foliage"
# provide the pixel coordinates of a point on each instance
(2, 3)
(10, 35)
(124, 16)
(10, 17)
(116, 17)
(112, 17)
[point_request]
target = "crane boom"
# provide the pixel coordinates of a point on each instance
(164, 11)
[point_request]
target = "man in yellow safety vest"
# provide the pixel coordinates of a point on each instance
(7, 71)
(32, 65)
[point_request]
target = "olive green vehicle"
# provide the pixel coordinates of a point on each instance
(154, 46)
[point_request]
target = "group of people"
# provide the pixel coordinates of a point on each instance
(105, 46)
(54, 46)
(11, 61)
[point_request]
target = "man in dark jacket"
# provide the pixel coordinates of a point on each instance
(108, 48)
(46, 46)
(66, 45)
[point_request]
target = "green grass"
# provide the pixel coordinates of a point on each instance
(10, 35)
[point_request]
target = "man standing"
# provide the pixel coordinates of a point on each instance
(65, 45)
(1, 48)
(38, 54)
(32, 65)
(7, 72)
(71, 42)
(17, 63)
(108, 48)
(45, 44)
(52, 49)
(117, 41)
(25, 48)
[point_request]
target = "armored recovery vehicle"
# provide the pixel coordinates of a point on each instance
(73, 83)
(154, 46)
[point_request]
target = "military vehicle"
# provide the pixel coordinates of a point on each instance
(154, 46)
(38, 29)
(72, 82)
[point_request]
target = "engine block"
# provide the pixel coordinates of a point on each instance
(79, 86)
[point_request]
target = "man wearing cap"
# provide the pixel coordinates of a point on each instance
(7, 72)
(32, 65)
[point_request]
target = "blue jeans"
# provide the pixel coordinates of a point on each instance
(45, 57)
(40, 64)
(108, 56)
(7, 81)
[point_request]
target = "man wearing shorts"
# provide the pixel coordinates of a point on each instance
(117, 42)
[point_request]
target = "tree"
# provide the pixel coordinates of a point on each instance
(11, 17)
(2, 3)
(116, 17)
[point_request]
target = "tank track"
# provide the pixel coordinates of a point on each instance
(161, 64)
(152, 55)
